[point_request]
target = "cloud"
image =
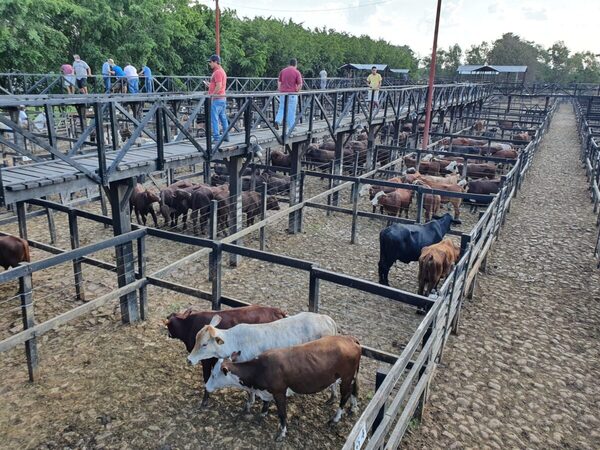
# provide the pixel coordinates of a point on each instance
(535, 13)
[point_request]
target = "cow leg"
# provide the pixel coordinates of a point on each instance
(456, 211)
(249, 402)
(334, 395)
(384, 270)
(184, 219)
(154, 218)
(265, 408)
(195, 222)
(345, 392)
(281, 402)
(137, 215)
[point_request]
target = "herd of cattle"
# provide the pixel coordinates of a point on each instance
(269, 354)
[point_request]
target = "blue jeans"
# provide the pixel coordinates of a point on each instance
(148, 85)
(291, 110)
(133, 85)
(218, 113)
(106, 83)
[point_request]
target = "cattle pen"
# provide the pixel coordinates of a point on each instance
(402, 388)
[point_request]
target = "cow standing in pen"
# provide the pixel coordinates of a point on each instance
(13, 250)
(435, 263)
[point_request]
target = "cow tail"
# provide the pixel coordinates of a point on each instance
(26, 254)
(425, 266)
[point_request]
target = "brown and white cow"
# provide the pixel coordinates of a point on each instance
(13, 250)
(435, 263)
(395, 202)
(185, 325)
(304, 369)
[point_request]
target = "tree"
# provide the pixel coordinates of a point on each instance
(511, 50)
(478, 54)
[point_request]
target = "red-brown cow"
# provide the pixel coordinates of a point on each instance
(435, 263)
(280, 159)
(185, 325)
(394, 202)
(13, 250)
(431, 202)
(251, 205)
(141, 202)
(305, 369)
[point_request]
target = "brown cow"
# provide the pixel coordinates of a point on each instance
(328, 145)
(170, 209)
(141, 202)
(508, 154)
(374, 189)
(251, 205)
(522, 136)
(305, 369)
(185, 325)
(435, 263)
(431, 202)
(13, 250)
(450, 187)
(484, 170)
(426, 167)
(280, 159)
(395, 202)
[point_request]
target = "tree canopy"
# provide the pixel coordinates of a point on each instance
(175, 37)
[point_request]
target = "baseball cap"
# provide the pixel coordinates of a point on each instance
(215, 58)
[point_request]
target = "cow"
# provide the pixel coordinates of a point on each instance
(185, 325)
(13, 250)
(435, 263)
(199, 199)
(464, 141)
(141, 202)
(432, 167)
(252, 205)
(253, 339)
(328, 145)
(484, 170)
(280, 159)
(465, 149)
(450, 186)
(402, 242)
(276, 184)
(478, 126)
(523, 136)
(170, 207)
(304, 369)
(373, 190)
(484, 186)
(431, 202)
(393, 203)
(505, 124)
(316, 154)
(508, 154)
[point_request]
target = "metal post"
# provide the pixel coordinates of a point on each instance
(119, 192)
(77, 266)
(420, 199)
(143, 291)
(355, 194)
(338, 164)
(295, 218)
(213, 232)
(26, 294)
(215, 263)
(51, 225)
(313, 293)
(22, 220)
(235, 204)
(98, 114)
(263, 214)
(379, 379)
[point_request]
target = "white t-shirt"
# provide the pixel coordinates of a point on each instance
(323, 74)
(80, 68)
(23, 118)
(130, 71)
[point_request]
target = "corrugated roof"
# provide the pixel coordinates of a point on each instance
(381, 67)
(400, 70)
(478, 68)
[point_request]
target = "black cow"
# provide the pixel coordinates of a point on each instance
(401, 242)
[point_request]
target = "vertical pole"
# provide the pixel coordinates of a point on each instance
(216, 279)
(263, 215)
(313, 293)
(99, 115)
(338, 164)
(213, 233)
(77, 266)
(51, 225)
(379, 379)
(420, 196)
(160, 139)
(295, 217)
(26, 294)
(431, 77)
(22, 220)
(143, 291)
(355, 193)
(103, 205)
(217, 29)
(235, 204)
(119, 201)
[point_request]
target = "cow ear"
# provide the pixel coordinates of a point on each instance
(219, 340)
(216, 320)
(235, 355)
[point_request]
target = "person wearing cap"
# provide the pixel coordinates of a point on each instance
(106, 73)
(119, 73)
(146, 75)
(374, 81)
(82, 72)
(216, 88)
(289, 81)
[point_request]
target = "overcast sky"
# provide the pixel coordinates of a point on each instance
(466, 22)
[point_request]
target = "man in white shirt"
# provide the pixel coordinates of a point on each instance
(82, 71)
(133, 78)
(323, 75)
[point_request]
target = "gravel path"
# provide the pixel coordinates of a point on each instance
(524, 371)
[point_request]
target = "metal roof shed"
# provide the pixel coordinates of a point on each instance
(480, 71)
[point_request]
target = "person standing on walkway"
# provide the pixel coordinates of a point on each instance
(218, 108)
(323, 75)
(68, 78)
(106, 73)
(146, 75)
(133, 80)
(120, 83)
(289, 81)
(374, 82)
(82, 72)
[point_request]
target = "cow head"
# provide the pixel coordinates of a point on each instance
(209, 343)
(152, 197)
(183, 198)
(452, 167)
(223, 376)
(375, 200)
(272, 203)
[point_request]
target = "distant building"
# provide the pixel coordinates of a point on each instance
(492, 73)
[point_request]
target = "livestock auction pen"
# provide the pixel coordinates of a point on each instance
(104, 385)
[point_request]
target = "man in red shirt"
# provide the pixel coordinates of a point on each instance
(216, 88)
(290, 80)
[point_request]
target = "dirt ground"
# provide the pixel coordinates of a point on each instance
(107, 385)
(524, 371)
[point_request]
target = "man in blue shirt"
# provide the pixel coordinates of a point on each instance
(106, 73)
(146, 75)
(121, 84)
